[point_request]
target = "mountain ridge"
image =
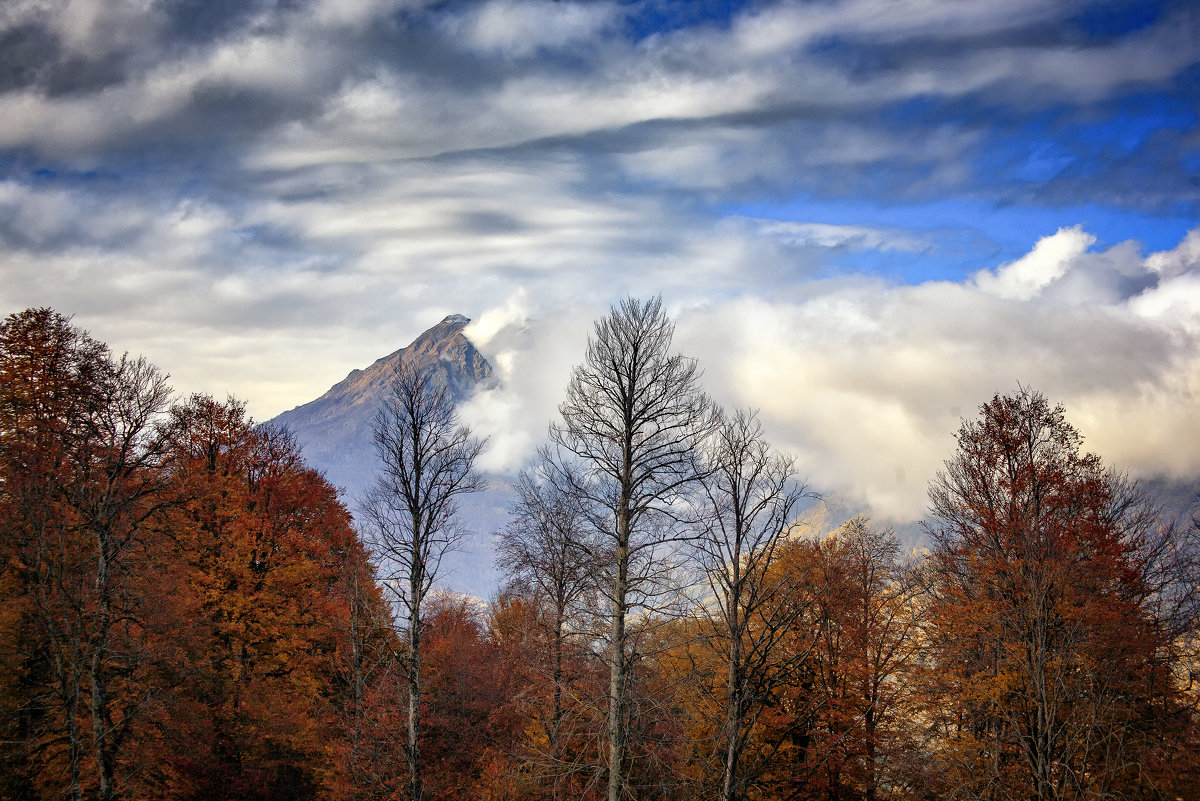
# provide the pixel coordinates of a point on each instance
(334, 432)
(445, 342)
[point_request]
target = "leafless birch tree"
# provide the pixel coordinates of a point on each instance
(750, 498)
(631, 422)
(428, 460)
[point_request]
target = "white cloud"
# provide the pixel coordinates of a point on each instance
(375, 103)
(512, 314)
(1049, 260)
(517, 28)
(866, 381)
(1183, 258)
(533, 353)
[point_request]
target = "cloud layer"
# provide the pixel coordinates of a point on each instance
(865, 381)
(866, 215)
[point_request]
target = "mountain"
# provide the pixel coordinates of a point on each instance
(334, 432)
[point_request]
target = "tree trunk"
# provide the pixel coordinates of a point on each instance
(414, 683)
(414, 718)
(616, 684)
(735, 703)
(70, 689)
(102, 741)
(101, 737)
(733, 725)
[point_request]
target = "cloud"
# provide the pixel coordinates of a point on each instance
(1171, 263)
(515, 29)
(1050, 258)
(858, 237)
(533, 352)
(261, 196)
(374, 79)
(866, 381)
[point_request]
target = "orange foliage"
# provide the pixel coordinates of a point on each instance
(264, 545)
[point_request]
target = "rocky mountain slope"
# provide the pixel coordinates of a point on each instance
(334, 432)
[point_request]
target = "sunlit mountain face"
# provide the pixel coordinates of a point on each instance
(335, 429)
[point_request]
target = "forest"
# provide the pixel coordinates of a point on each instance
(188, 611)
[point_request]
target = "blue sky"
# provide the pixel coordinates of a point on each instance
(866, 216)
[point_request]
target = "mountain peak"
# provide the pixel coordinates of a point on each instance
(335, 429)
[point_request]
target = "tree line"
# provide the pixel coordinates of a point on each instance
(187, 611)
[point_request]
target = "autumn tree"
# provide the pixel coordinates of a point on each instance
(82, 459)
(366, 669)
(427, 464)
(265, 548)
(50, 374)
(1041, 620)
(631, 422)
(867, 613)
(749, 499)
(548, 577)
(545, 759)
(177, 590)
(784, 748)
(470, 694)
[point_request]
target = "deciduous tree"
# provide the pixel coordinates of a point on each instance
(82, 456)
(867, 615)
(1041, 620)
(265, 545)
(627, 446)
(549, 575)
(427, 464)
(750, 497)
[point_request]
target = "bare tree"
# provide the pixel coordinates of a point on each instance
(631, 422)
(539, 551)
(428, 460)
(749, 501)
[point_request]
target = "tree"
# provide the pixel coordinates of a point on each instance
(865, 656)
(428, 461)
(750, 498)
(627, 445)
(81, 437)
(1041, 618)
(785, 746)
(547, 570)
(468, 692)
(263, 546)
(49, 380)
(365, 668)
(122, 494)
(545, 759)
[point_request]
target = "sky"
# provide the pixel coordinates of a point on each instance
(865, 216)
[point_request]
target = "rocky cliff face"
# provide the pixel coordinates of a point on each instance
(334, 432)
